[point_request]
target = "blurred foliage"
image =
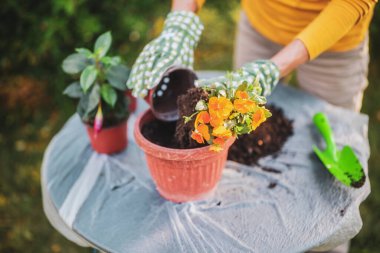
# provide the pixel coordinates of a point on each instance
(40, 35)
(368, 240)
(35, 38)
(375, 35)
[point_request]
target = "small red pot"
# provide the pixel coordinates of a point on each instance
(181, 174)
(132, 101)
(109, 140)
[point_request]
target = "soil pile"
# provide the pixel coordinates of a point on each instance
(267, 139)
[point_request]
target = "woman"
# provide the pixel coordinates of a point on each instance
(326, 41)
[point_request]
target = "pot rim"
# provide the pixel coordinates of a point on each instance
(109, 127)
(190, 152)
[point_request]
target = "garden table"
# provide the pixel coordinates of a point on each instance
(110, 202)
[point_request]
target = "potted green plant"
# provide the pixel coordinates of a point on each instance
(100, 87)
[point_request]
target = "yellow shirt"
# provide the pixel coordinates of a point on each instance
(333, 25)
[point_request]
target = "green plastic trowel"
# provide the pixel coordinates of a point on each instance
(343, 165)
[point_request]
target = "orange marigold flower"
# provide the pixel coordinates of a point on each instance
(244, 105)
(221, 107)
(202, 118)
(203, 130)
(241, 94)
(221, 132)
(215, 121)
(258, 118)
(197, 137)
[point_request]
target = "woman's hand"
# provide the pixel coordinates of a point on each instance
(175, 46)
(265, 72)
(268, 72)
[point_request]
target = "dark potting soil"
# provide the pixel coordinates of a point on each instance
(160, 133)
(186, 107)
(176, 134)
(267, 139)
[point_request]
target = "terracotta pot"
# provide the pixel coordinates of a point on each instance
(132, 101)
(109, 140)
(181, 174)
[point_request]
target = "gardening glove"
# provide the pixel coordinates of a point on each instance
(175, 46)
(265, 71)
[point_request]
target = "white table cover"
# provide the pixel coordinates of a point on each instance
(110, 202)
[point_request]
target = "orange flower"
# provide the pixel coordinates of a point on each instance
(241, 94)
(202, 118)
(215, 121)
(258, 118)
(244, 105)
(203, 130)
(221, 132)
(201, 134)
(197, 137)
(220, 107)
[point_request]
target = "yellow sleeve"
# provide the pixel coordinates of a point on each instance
(200, 3)
(337, 19)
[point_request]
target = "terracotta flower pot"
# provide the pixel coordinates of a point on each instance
(181, 174)
(109, 140)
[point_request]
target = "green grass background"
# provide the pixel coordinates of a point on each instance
(34, 40)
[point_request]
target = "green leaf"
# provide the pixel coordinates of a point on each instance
(248, 121)
(258, 99)
(113, 61)
(84, 51)
(74, 63)
(108, 94)
(73, 90)
(242, 87)
(88, 77)
(88, 103)
(118, 76)
(242, 129)
(93, 99)
(267, 113)
(102, 44)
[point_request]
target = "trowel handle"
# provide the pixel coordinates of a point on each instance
(322, 123)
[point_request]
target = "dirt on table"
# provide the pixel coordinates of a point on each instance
(267, 139)
(247, 149)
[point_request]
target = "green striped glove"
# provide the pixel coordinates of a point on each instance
(266, 71)
(175, 46)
